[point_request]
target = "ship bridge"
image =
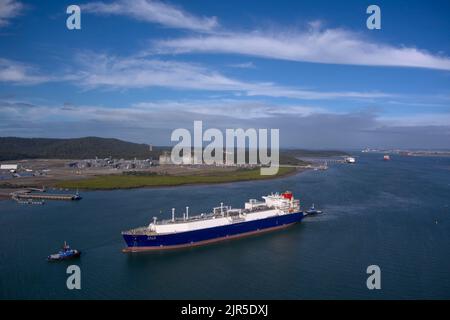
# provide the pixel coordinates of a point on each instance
(284, 201)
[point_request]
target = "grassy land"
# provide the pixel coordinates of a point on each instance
(108, 182)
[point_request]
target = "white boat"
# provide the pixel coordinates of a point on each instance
(350, 160)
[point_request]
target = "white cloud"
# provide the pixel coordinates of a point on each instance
(243, 65)
(332, 46)
(8, 10)
(154, 12)
(228, 108)
(99, 70)
(272, 90)
(154, 114)
(113, 72)
(19, 73)
(414, 120)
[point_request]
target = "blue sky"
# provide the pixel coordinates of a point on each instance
(139, 69)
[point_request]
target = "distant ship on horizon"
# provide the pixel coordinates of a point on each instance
(277, 211)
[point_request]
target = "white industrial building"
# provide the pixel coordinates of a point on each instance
(165, 159)
(10, 167)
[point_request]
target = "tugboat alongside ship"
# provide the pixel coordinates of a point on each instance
(312, 211)
(277, 211)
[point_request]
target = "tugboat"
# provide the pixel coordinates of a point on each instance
(76, 196)
(64, 254)
(312, 211)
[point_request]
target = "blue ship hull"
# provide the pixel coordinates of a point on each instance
(204, 236)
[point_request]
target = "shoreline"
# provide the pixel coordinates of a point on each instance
(289, 174)
(54, 184)
(183, 184)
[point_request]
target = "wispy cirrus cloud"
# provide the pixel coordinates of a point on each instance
(153, 12)
(94, 71)
(330, 46)
(229, 108)
(20, 73)
(8, 10)
(106, 71)
(101, 70)
(243, 65)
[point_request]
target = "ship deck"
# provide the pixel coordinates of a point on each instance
(140, 231)
(201, 217)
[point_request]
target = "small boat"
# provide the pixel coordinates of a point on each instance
(312, 211)
(386, 157)
(76, 196)
(350, 160)
(64, 254)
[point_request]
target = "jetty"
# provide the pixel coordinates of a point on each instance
(28, 201)
(28, 195)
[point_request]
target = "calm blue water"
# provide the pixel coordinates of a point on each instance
(394, 214)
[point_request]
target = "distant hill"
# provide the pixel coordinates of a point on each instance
(12, 148)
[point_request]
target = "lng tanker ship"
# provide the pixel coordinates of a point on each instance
(275, 212)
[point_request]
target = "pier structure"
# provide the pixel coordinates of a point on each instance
(28, 195)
